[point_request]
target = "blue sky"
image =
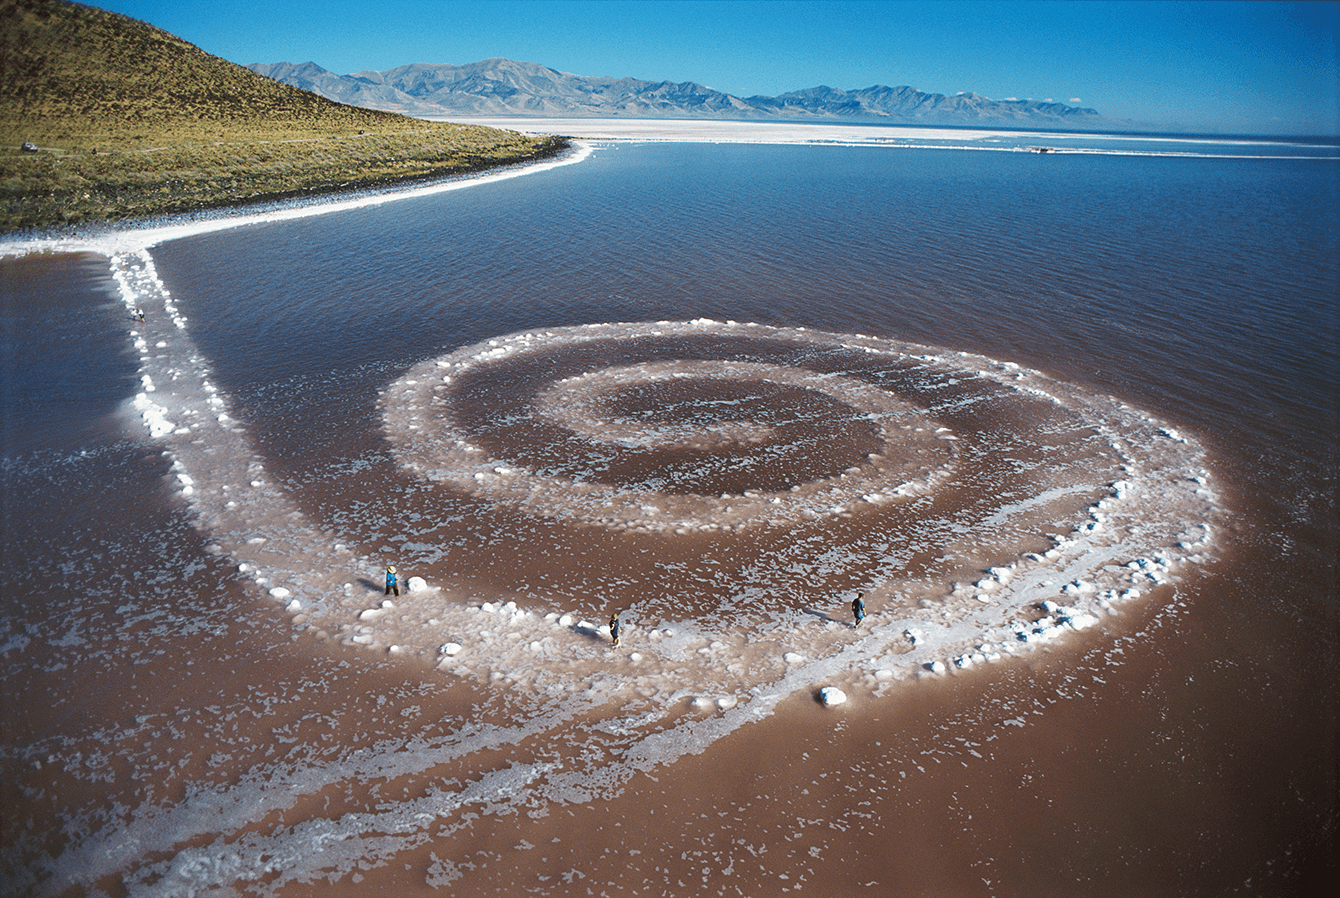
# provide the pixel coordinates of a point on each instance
(1262, 67)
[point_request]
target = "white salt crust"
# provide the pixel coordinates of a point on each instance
(1130, 508)
(1138, 532)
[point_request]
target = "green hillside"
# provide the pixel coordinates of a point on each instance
(132, 121)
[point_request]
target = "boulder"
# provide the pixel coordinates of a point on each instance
(831, 695)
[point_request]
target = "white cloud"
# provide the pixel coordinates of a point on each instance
(1076, 100)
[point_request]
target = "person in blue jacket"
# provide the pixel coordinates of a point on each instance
(391, 584)
(858, 608)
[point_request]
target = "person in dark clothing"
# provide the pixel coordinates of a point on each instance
(391, 584)
(858, 608)
(614, 629)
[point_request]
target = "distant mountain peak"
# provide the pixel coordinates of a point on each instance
(505, 87)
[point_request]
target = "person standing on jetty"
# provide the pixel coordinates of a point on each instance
(391, 584)
(614, 629)
(858, 608)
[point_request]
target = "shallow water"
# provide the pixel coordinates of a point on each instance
(1075, 437)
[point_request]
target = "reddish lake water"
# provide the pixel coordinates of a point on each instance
(1068, 421)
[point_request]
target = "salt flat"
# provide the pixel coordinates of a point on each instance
(693, 131)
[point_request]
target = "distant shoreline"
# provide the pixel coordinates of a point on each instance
(859, 133)
(722, 131)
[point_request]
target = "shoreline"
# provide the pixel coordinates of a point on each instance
(722, 131)
(838, 133)
(131, 235)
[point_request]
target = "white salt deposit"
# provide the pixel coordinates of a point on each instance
(914, 458)
(912, 415)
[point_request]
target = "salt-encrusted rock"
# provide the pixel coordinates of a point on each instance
(416, 584)
(793, 658)
(831, 695)
(1082, 621)
(451, 648)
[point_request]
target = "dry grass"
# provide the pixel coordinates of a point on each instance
(74, 185)
(131, 121)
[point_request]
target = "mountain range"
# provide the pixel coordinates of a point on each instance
(503, 87)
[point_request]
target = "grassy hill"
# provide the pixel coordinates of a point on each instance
(132, 121)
